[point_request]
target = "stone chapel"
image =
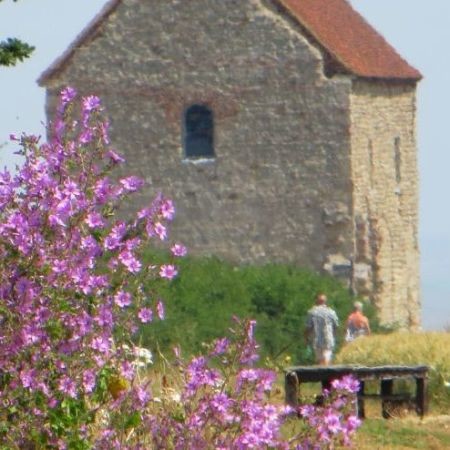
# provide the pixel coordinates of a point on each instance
(284, 130)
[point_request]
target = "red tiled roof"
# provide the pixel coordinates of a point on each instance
(347, 37)
(334, 24)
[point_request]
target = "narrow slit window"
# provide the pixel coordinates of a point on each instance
(198, 132)
(397, 160)
(371, 162)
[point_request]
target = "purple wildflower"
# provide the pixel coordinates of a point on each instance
(160, 310)
(132, 184)
(94, 220)
(178, 250)
(145, 315)
(67, 95)
(167, 209)
(27, 377)
(115, 157)
(346, 383)
(88, 380)
(101, 344)
(160, 231)
(168, 271)
(122, 299)
(332, 422)
(221, 346)
(86, 137)
(352, 423)
(67, 386)
(142, 395)
(128, 259)
(91, 103)
(127, 370)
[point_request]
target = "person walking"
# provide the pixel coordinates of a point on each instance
(321, 326)
(357, 323)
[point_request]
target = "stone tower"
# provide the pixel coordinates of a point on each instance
(283, 129)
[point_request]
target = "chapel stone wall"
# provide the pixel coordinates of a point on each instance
(280, 186)
(385, 210)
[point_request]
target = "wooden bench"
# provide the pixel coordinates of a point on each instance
(295, 376)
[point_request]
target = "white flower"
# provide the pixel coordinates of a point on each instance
(144, 355)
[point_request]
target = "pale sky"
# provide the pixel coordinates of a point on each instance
(419, 30)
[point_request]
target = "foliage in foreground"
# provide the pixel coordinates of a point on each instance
(220, 401)
(209, 291)
(426, 348)
(73, 289)
(71, 281)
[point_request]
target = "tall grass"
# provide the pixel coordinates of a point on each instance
(404, 348)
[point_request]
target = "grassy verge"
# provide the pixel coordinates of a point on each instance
(404, 431)
(433, 432)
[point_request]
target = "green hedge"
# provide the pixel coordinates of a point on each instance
(208, 292)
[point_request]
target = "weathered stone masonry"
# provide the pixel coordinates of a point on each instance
(306, 169)
(385, 197)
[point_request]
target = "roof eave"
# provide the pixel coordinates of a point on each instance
(414, 75)
(86, 34)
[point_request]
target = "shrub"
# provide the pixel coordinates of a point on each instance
(431, 349)
(209, 291)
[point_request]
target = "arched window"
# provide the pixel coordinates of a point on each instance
(198, 132)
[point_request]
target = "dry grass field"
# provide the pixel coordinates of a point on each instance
(410, 349)
(405, 430)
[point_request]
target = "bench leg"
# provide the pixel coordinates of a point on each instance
(421, 396)
(291, 386)
(326, 385)
(386, 390)
(360, 401)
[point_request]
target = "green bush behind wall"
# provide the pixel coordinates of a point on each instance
(201, 301)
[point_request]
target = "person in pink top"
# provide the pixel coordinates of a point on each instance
(357, 323)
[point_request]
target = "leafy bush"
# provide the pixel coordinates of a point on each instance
(431, 349)
(209, 291)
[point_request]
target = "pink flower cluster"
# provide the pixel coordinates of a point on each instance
(72, 284)
(336, 421)
(224, 402)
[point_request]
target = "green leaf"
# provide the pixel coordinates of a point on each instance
(13, 51)
(133, 420)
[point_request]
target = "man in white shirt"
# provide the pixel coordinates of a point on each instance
(321, 325)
